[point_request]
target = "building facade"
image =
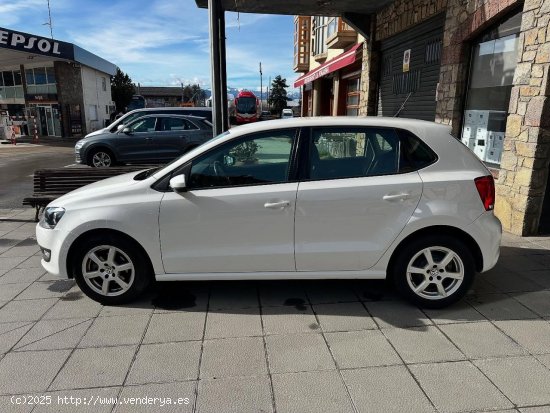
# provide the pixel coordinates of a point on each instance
(53, 88)
(329, 53)
(481, 66)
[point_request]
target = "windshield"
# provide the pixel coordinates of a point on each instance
(126, 119)
(246, 105)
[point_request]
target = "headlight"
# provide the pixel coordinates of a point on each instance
(79, 144)
(51, 217)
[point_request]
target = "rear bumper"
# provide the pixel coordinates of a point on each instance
(487, 231)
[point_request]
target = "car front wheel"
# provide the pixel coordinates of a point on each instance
(111, 270)
(101, 158)
(434, 271)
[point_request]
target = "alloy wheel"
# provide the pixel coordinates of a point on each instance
(101, 159)
(108, 270)
(435, 273)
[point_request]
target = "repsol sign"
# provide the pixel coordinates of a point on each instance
(32, 44)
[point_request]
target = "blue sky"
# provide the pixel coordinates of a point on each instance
(162, 42)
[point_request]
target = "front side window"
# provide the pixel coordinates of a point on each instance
(258, 159)
(144, 125)
(338, 153)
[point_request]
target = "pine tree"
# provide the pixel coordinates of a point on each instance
(277, 97)
(122, 90)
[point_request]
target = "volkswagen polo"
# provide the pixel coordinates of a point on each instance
(307, 198)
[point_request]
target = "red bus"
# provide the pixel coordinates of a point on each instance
(246, 107)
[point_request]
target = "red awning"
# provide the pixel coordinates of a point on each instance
(336, 63)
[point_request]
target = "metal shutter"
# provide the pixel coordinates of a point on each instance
(425, 43)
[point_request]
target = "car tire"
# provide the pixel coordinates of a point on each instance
(434, 271)
(111, 269)
(101, 158)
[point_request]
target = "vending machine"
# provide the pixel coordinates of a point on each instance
(469, 129)
(5, 125)
(483, 133)
(495, 147)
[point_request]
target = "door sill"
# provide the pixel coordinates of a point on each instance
(293, 275)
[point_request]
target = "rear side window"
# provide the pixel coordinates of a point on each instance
(177, 124)
(337, 153)
(415, 154)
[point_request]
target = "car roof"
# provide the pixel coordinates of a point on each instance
(170, 115)
(175, 109)
(328, 121)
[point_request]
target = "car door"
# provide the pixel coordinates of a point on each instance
(134, 145)
(238, 212)
(353, 202)
(170, 139)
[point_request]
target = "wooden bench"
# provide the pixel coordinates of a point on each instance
(50, 184)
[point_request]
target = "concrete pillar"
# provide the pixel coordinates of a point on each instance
(336, 81)
(316, 110)
(214, 7)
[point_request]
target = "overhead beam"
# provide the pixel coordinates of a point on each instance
(301, 7)
(360, 22)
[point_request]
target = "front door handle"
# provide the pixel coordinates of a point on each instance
(277, 205)
(396, 197)
(148, 138)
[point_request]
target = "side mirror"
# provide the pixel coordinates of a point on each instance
(119, 127)
(127, 130)
(177, 183)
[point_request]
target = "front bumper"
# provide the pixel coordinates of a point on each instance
(53, 240)
(77, 157)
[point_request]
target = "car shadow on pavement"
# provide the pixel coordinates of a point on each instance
(517, 288)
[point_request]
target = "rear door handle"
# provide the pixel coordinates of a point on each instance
(277, 205)
(396, 197)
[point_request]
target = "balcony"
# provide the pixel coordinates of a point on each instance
(302, 37)
(342, 37)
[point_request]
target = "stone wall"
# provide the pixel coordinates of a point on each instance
(403, 14)
(524, 168)
(369, 74)
(465, 20)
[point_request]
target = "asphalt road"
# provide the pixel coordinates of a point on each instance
(18, 163)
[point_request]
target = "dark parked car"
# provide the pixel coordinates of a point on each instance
(152, 138)
(265, 115)
(203, 112)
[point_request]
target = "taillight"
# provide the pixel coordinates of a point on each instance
(486, 187)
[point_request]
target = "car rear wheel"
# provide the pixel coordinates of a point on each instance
(434, 271)
(111, 269)
(101, 158)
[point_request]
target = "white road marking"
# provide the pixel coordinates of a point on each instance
(70, 166)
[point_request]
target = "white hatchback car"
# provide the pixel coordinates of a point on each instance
(306, 198)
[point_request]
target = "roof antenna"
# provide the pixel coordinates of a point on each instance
(49, 22)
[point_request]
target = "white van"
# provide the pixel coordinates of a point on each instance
(287, 113)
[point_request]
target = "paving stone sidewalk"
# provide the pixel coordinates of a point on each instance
(288, 346)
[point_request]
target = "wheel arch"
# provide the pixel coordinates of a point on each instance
(467, 239)
(70, 262)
